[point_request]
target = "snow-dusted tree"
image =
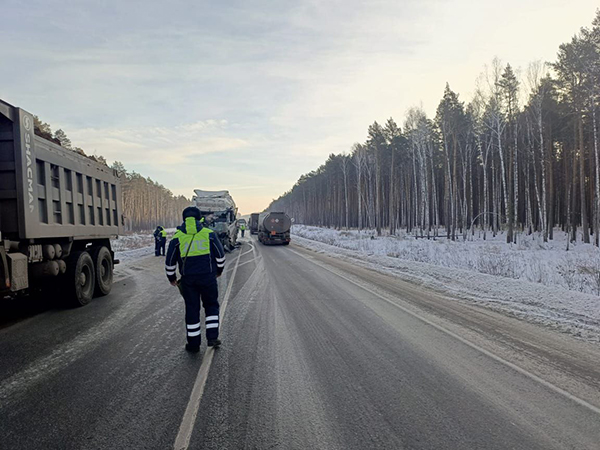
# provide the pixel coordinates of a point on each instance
(538, 88)
(496, 122)
(509, 86)
(360, 160)
(394, 141)
(451, 121)
(572, 79)
(377, 145)
(345, 163)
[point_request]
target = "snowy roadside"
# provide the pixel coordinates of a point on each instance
(131, 247)
(572, 312)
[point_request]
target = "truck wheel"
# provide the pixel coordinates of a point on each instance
(103, 267)
(80, 278)
(286, 243)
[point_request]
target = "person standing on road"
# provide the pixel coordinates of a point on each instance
(160, 241)
(163, 241)
(243, 229)
(201, 259)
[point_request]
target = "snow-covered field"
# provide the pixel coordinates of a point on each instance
(136, 245)
(538, 281)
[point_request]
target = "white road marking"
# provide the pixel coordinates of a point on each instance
(249, 251)
(522, 371)
(182, 441)
(243, 264)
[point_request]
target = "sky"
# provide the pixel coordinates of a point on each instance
(249, 95)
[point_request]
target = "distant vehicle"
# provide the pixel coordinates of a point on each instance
(274, 228)
(219, 211)
(241, 222)
(254, 223)
(58, 212)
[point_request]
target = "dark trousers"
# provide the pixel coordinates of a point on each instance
(195, 289)
(243, 233)
(159, 246)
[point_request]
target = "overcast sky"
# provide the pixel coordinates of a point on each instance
(249, 95)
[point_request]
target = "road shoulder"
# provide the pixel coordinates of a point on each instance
(560, 359)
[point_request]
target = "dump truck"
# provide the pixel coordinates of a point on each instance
(220, 213)
(274, 228)
(253, 225)
(58, 212)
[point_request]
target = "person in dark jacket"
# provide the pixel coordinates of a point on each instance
(201, 259)
(160, 241)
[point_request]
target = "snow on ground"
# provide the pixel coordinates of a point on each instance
(133, 246)
(537, 281)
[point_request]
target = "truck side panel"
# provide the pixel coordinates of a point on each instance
(50, 192)
(11, 182)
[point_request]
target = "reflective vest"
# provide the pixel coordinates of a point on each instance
(193, 242)
(163, 233)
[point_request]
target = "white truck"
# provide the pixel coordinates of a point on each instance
(219, 212)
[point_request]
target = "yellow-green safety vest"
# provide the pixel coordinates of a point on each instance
(193, 242)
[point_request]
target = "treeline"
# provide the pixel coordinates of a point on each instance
(146, 203)
(521, 156)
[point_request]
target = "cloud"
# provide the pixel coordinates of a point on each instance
(216, 94)
(162, 145)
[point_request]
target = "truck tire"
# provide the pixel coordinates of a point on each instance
(286, 243)
(103, 267)
(80, 278)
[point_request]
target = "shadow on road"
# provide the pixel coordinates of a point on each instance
(12, 311)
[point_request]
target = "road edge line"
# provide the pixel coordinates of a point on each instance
(182, 441)
(497, 358)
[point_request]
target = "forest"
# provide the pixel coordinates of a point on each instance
(521, 156)
(146, 203)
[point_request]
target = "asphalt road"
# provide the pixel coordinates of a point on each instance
(317, 353)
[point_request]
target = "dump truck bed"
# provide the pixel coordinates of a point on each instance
(47, 191)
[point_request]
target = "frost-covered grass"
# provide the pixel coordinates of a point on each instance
(531, 259)
(538, 282)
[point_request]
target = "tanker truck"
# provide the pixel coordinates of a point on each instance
(274, 228)
(219, 212)
(58, 212)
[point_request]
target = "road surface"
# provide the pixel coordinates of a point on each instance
(317, 353)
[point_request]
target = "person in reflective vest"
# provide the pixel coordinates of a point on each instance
(201, 260)
(163, 241)
(243, 229)
(160, 241)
